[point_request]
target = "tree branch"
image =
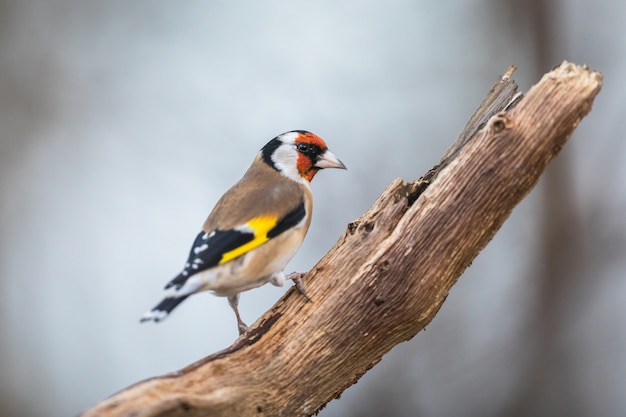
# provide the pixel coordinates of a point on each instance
(390, 272)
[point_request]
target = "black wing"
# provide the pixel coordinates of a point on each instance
(207, 251)
(209, 248)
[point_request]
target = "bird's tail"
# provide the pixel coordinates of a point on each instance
(163, 309)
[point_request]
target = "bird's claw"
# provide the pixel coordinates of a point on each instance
(296, 277)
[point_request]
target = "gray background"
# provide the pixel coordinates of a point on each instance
(121, 124)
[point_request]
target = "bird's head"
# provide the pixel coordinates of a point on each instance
(299, 155)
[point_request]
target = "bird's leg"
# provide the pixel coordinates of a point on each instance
(297, 280)
(234, 302)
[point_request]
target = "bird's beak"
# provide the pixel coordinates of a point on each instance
(329, 160)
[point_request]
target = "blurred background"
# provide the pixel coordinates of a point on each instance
(122, 123)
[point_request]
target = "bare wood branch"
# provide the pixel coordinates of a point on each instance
(387, 276)
(503, 95)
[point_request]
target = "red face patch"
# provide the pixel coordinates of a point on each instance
(311, 139)
(306, 161)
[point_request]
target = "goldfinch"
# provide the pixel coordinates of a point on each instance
(256, 227)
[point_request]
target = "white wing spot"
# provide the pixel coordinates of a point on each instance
(199, 249)
(198, 261)
(194, 266)
(244, 228)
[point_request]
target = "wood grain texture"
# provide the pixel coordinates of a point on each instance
(386, 277)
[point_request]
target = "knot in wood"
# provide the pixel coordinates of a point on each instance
(499, 122)
(352, 226)
(368, 226)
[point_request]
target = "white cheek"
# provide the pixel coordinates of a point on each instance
(285, 159)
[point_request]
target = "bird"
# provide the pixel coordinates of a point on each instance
(255, 228)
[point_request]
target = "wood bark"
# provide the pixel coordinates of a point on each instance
(389, 273)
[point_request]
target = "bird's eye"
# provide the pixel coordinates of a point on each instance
(303, 147)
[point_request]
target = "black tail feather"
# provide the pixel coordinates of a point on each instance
(163, 309)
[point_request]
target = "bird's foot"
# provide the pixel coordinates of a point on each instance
(296, 277)
(242, 327)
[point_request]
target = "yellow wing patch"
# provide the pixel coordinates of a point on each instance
(260, 226)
